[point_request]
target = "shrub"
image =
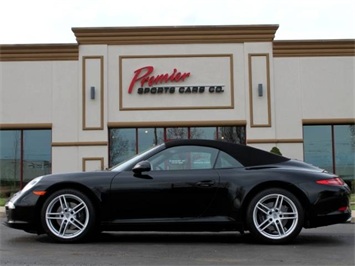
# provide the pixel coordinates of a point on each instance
(275, 150)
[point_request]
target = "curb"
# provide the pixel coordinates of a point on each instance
(2, 214)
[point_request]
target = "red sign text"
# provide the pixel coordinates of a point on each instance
(143, 75)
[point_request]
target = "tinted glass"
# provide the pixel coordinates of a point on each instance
(232, 134)
(203, 133)
(176, 133)
(125, 142)
(318, 146)
(24, 155)
(224, 160)
(122, 144)
(10, 155)
(149, 137)
(36, 153)
(344, 145)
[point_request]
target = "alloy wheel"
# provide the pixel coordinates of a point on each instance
(67, 216)
(275, 216)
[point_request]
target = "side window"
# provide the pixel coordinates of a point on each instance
(224, 160)
(184, 158)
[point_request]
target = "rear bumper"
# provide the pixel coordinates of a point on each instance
(332, 218)
(330, 205)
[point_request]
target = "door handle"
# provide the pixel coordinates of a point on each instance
(207, 183)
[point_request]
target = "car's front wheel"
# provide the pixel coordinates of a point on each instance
(68, 215)
(275, 216)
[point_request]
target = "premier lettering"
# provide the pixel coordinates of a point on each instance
(143, 76)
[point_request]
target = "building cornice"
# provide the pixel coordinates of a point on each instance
(39, 52)
(309, 48)
(175, 35)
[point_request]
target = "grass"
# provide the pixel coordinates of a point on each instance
(2, 201)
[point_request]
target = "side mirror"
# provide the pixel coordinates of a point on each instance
(143, 166)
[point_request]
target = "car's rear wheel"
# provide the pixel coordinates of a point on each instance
(68, 216)
(275, 216)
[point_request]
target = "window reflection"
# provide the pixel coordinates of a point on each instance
(232, 134)
(24, 155)
(36, 153)
(318, 146)
(10, 156)
(149, 137)
(331, 147)
(344, 145)
(176, 133)
(203, 133)
(122, 144)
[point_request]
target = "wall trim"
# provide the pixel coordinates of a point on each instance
(39, 52)
(79, 144)
(101, 126)
(177, 123)
(328, 121)
(99, 159)
(273, 141)
(26, 126)
(308, 48)
(251, 105)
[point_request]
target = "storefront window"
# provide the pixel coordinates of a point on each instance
(176, 133)
(10, 158)
(149, 137)
(122, 144)
(36, 153)
(232, 134)
(24, 155)
(344, 145)
(318, 146)
(126, 142)
(331, 147)
(203, 133)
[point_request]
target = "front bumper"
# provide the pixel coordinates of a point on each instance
(22, 213)
(22, 218)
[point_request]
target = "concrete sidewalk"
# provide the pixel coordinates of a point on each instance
(2, 214)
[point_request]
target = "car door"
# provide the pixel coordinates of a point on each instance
(180, 185)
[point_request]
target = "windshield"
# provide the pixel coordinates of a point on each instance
(129, 163)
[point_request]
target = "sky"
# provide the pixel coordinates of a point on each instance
(51, 21)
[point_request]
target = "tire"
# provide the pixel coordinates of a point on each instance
(68, 215)
(275, 216)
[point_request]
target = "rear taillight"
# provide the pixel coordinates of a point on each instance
(336, 181)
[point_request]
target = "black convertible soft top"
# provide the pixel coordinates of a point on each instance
(246, 155)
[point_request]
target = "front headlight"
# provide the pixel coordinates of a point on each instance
(31, 184)
(11, 203)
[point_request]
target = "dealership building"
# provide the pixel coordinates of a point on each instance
(118, 91)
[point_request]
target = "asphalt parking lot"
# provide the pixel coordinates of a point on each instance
(332, 245)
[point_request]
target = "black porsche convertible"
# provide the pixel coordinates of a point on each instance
(185, 185)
